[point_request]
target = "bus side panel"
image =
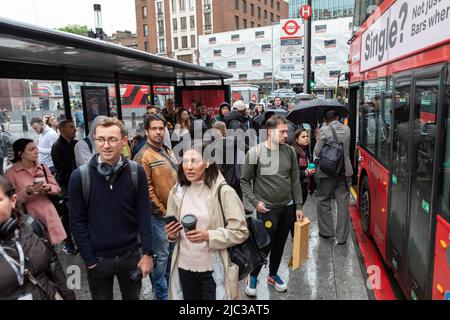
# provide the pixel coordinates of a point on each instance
(378, 183)
(441, 275)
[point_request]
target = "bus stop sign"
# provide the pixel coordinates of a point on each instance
(305, 12)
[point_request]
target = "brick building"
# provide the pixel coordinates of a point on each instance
(124, 38)
(171, 27)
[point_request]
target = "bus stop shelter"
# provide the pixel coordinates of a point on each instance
(33, 52)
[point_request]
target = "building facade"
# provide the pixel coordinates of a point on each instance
(323, 9)
(124, 38)
(171, 27)
(257, 56)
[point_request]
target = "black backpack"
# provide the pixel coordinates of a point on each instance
(331, 156)
(231, 171)
(89, 143)
(86, 179)
(248, 255)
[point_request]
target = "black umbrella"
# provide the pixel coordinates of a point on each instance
(312, 111)
(259, 120)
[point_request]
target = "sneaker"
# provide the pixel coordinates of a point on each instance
(250, 289)
(278, 284)
(69, 249)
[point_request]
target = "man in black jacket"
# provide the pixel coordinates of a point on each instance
(63, 157)
(202, 114)
(114, 220)
(237, 118)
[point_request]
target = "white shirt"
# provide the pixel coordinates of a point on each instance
(46, 140)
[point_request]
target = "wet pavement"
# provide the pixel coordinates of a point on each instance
(332, 271)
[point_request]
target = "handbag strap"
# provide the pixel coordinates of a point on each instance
(219, 192)
(335, 135)
(45, 173)
(30, 277)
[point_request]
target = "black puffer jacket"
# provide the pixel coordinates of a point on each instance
(42, 262)
(236, 120)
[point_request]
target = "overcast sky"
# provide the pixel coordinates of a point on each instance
(117, 14)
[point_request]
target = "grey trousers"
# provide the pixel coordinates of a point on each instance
(328, 186)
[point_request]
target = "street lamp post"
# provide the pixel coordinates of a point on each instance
(273, 75)
(272, 60)
(307, 59)
(98, 22)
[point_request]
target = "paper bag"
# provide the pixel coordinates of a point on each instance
(301, 243)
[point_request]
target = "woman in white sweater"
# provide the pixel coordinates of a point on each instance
(201, 267)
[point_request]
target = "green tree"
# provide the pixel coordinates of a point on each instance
(76, 28)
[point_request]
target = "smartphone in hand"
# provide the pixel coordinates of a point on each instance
(170, 219)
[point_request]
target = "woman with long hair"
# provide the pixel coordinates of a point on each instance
(29, 268)
(183, 124)
(259, 109)
(300, 145)
(201, 268)
(34, 182)
(52, 122)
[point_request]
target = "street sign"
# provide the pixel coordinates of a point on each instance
(306, 12)
(291, 28)
(290, 54)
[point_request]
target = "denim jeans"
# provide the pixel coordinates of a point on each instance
(101, 278)
(161, 250)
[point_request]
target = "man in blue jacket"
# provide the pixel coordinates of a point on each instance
(112, 220)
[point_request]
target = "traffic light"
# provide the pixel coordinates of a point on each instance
(313, 80)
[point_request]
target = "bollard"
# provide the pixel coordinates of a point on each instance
(24, 122)
(133, 120)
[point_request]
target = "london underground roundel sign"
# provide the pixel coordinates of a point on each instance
(291, 27)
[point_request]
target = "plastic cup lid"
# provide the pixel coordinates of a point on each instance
(189, 219)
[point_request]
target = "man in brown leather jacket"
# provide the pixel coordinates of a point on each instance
(161, 168)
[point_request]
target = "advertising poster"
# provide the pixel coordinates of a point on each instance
(209, 98)
(95, 102)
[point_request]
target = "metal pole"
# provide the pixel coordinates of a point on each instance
(118, 96)
(66, 96)
(337, 87)
(272, 60)
(307, 56)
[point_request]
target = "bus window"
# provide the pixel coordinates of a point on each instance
(363, 9)
(375, 119)
(367, 118)
(384, 119)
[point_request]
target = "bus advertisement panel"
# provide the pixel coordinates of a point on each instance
(210, 96)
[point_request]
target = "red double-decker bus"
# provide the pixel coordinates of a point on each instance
(400, 99)
(139, 96)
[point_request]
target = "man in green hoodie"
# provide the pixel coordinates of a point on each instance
(270, 181)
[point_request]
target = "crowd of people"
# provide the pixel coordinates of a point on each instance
(136, 206)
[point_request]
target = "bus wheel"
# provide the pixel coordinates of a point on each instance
(364, 205)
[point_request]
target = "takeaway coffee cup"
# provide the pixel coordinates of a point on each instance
(189, 222)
